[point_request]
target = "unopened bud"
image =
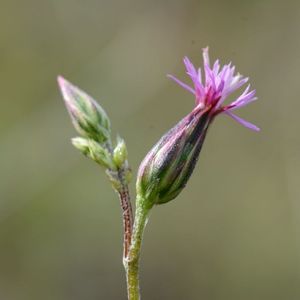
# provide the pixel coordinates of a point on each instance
(120, 153)
(81, 144)
(94, 151)
(88, 117)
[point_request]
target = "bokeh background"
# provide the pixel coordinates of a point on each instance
(233, 233)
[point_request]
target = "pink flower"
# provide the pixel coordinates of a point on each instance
(211, 92)
(167, 167)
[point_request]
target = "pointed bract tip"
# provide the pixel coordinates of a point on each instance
(65, 87)
(89, 118)
(61, 81)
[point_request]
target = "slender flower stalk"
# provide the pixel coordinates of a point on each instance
(133, 259)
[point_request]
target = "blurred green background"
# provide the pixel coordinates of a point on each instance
(232, 234)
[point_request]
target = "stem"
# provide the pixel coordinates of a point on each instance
(123, 191)
(131, 263)
(124, 196)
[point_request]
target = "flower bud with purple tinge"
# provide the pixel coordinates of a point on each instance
(88, 117)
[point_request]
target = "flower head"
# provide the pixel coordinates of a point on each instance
(166, 169)
(218, 83)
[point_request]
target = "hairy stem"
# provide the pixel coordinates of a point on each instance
(123, 191)
(131, 263)
(124, 196)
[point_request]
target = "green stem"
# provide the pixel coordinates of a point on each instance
(131, 263)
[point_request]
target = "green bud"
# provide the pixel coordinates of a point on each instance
(120, 153)
(88, 117)
(95, 151)
(81, 144)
